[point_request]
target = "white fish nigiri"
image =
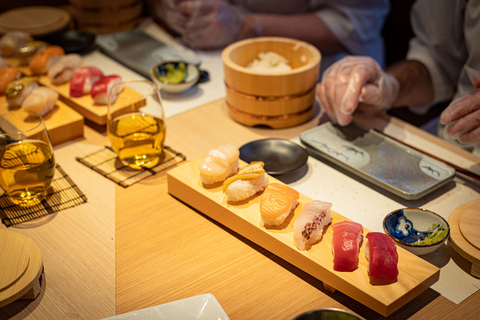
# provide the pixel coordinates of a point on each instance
(308, 227)
(83, 79)
(62, 71)
(101, 89)
(40, 100)
(12, 40)
(219, 164)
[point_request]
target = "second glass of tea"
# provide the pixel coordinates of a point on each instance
(136, 123)
(27, 162)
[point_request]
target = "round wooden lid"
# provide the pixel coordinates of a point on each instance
(458, 230)
(470, 225)
(20, 265)
(36, 20)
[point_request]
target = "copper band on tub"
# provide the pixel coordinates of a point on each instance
(257, 117)
(268, 98)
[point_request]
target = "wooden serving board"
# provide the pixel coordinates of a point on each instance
(85, 104)
(20, 267)
(415, 274)
(63, 123)
(465, 233)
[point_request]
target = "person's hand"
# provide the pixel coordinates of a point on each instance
(171, 13)
(462, 118)
(214, 24)
(356, 83)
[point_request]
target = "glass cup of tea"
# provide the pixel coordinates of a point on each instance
(136, 123)
(27, 162)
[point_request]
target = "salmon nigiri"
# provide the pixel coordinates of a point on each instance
(347, 238)
(8, 74)
(278, 200)
(43, 60)
(382, 257)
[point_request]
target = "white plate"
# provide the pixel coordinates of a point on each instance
(202, 307)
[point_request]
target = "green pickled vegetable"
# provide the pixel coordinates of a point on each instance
(436, 236)
(173, 74)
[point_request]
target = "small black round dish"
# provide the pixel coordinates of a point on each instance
(74, 41)
(279, 155)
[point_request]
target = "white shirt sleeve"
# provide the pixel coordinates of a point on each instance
(357, 25)
(439, 44)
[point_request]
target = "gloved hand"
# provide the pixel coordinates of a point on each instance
(462, 118)
(352, 80)
(169, 12)
(214, 24)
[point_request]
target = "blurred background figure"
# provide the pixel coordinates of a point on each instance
(335, 27)
(433, 73)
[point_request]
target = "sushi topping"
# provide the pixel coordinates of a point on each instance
(252, 171)
(15, 88)
(311, 227)
(31, 48)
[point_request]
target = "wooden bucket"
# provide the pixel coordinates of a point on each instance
(106, 16)
(280, 99)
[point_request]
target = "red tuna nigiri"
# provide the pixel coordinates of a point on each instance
(83, 79)
(382, 257)
(347, 237)
(102, 87)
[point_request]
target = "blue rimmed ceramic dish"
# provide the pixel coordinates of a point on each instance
(417, 230)
(175, 76)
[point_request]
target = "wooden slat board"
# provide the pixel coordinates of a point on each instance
(63, 123)
(415, 274)
(85, 104)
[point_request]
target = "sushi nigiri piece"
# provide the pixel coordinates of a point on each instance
(308, 227)
(278, 200)
(219, 164)
(43, 60)
(347, 238)
(18, 90)
(248, 181)
(28, 51)
(7, 75)
(382, 257)
(11, 41)
(101, 89)
(83, 79)
(4, 63)
(62, 71)
(40, 100)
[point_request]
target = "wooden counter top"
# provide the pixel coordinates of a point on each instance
(168, 251)
(137, 247)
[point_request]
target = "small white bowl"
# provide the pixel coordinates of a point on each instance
(162, 71)
(417, 230)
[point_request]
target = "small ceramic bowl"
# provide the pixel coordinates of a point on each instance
(175, 76)
(417, 230)
(327, 314)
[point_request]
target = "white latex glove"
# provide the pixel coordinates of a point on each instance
(462, 118)
(169, 12)
(215, 24)
(355, 79)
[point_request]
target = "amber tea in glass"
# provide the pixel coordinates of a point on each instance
(136, 123)
(27, 162)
